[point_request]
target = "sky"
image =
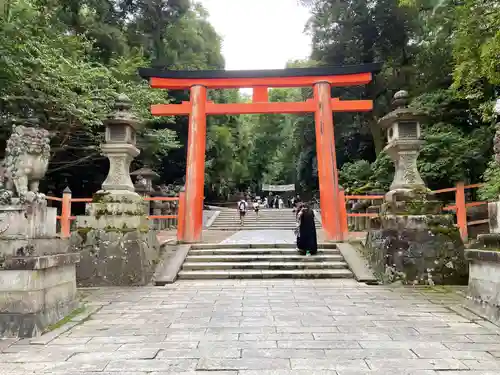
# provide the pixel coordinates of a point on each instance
(259, 34)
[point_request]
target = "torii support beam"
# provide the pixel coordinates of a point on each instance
(308, 106)
(322, 105)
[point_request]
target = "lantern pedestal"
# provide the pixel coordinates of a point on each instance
(404, 154)
(118, 181)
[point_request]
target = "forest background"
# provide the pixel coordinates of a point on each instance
(62, 62)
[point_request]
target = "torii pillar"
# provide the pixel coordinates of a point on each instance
(195, 168)
(327, 161)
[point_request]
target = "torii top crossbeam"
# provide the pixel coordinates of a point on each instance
(260, 81)
(229, 79)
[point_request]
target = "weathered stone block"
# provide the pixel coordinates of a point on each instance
(118, 222)
(36, 292)
(27, 221)
(484, 283)
(115, 257)
(33, 246)
(494, 216)
(416, 249)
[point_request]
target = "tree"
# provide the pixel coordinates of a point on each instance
(63, 62)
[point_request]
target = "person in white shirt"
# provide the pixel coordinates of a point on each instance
(256, 207)
(242, 209)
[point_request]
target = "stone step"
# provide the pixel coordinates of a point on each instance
(265, 257)
(264, 274)
(236, 222)
(252, 227)
(212, 246)
(263, 265)
(251, 251)
(255, 219)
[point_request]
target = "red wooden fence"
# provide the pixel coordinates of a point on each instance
(460, 207)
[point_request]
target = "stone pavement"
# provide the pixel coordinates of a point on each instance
(276, 236)
(267, 327)
(208, 236)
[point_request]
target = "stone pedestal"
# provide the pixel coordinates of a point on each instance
(115, 257)
(115, 243)
(484, 277)
(416, 249)
(36, 292)
(37, 274)
(30, 229)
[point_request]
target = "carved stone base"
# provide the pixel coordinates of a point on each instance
(416, 249)
(36, 292)
(115, 257)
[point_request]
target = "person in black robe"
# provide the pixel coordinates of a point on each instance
(307, 241)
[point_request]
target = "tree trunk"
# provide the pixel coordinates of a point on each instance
(377, 135)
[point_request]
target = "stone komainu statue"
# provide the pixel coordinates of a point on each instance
(26, 161)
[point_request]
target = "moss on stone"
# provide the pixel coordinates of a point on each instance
(100, 197)
(416, 207)
(65, 320)
(103, 212)
(441, 228)
(83, 232)
(110, 228)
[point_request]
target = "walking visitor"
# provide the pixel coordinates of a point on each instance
(307, 242)
(242, 209)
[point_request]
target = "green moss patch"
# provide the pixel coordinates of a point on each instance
(65, 320)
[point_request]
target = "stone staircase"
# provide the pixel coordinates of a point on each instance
(234, 261)
(283, 219)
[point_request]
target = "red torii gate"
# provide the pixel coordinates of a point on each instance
(321, 79)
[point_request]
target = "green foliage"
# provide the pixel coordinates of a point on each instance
(360, 176)
(449, 156)
(491, 189)
(63, 62)
(356, 174)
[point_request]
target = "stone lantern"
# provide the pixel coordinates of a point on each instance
(113, 237)
(403, 136)
(412, 240)
(144, 180)
(120, 147)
